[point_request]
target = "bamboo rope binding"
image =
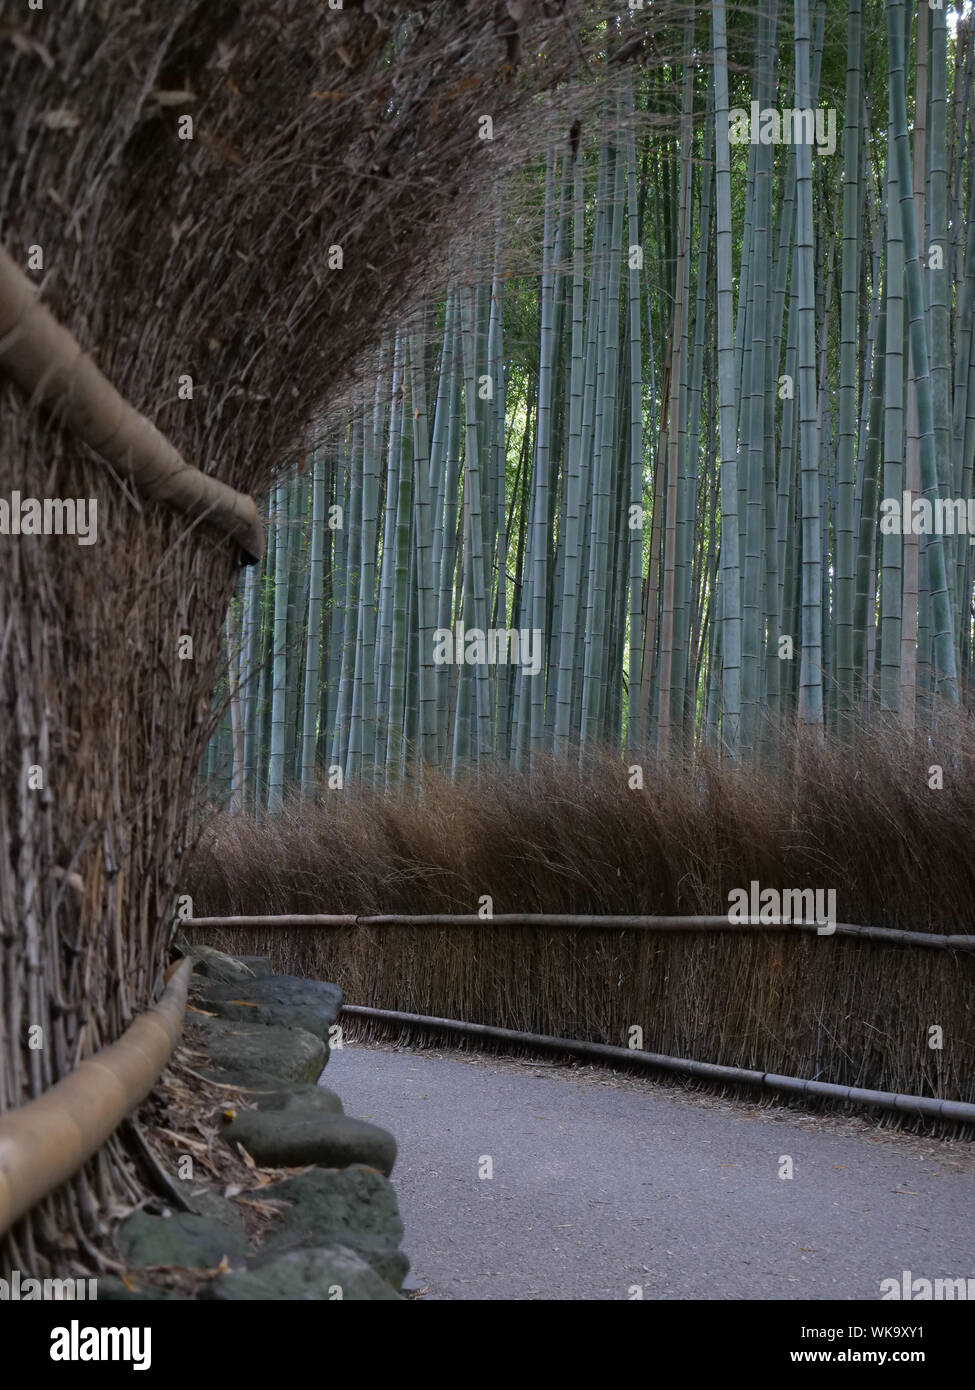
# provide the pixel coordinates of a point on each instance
(45, 1141)
(49, 364)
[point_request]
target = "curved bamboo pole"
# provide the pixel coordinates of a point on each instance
(45, 1141)
(890, 936)
(49, 364)
(929, 1107)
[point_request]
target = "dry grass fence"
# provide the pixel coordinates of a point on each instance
(569, 840)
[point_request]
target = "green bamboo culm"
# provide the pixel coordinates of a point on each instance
(811, 661)
(946, 676)
(728, 449)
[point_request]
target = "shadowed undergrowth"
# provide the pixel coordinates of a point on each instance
(869, 825)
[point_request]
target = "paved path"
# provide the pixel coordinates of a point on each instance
(603, 1183)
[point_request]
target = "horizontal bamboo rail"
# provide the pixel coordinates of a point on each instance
(928, 1107)
(45, 1141)
(49, 364)
(890, 936)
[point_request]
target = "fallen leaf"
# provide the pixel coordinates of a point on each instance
(246, 1157)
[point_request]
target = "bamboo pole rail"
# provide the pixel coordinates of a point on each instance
(45, 1141)
(929, 1107)
(890, 936)
(50, 366)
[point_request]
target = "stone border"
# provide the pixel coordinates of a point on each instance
(339, 1230)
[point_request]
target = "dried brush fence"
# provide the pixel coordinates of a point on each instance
(850, 1008)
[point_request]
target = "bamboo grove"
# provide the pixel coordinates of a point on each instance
(702, 472)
